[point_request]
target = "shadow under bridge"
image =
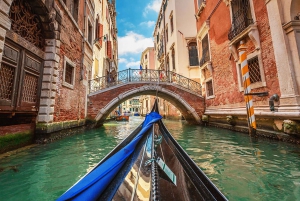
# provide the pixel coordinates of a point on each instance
(108, 92)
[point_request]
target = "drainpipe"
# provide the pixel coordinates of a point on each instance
(83, 43)
(273, 98)
(82, 61)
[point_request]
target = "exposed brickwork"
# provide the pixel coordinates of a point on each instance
(100, 100)
(224, 75)
(69, 103)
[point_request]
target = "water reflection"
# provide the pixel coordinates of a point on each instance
(243, 168)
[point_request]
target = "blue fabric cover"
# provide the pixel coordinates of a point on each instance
(93, 184)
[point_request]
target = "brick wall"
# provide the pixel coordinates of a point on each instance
(70, 103)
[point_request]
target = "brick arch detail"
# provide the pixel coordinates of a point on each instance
(51, 20)
(101, 104)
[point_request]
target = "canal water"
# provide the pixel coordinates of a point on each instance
(243, 168)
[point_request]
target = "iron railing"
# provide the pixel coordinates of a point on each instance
(241, 17)
(144, 75)
(205, 56)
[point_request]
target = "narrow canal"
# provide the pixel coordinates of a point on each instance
(241, 167)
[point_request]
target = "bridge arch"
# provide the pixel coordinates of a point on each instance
(102, 103)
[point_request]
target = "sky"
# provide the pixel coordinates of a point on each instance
(135, 22)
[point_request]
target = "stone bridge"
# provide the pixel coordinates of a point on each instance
(107, 93)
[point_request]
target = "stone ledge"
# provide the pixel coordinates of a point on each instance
(260, 133)
(46, 128)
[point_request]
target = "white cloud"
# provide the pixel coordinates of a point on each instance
(133, 43)
(148, 23)
(123, 60)
(130, 63)
(133, 64)
(154, 6)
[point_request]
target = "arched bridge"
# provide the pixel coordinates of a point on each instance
(107, 92)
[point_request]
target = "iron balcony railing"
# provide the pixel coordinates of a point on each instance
(205, 56)
(137, 75)
(241, 20)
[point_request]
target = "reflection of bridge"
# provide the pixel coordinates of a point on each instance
(106, 93)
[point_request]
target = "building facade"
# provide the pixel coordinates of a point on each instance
(272, 56)
(174, 39)
(46, 57)
(105, 61)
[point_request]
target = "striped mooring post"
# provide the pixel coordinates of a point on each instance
(247, 90)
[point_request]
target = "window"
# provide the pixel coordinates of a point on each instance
(171, 24)
(200, 3)
(193, 54)
(74, 9)
(173, 59)
(256, 73)
(69, 73)
(209, 88)
(157, 38)
(90, 33)
(167, 63)
(97, 29)
(145, 56)
(167, 38)
(241, 17)
(205, 50)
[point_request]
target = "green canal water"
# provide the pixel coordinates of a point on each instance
(241, 167)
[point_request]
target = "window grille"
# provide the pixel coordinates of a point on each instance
(254, 70)
(30, 88)
(69, 74)
(193, 54)
(209, 88)
(241, 17)
(26, 24)
(205, 51)
(7, 73)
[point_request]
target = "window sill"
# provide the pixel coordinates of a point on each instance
(70, 86)
(255, 85)
(253, 34)
(207, 65)
(210, 97)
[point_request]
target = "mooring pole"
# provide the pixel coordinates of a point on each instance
(247, 90)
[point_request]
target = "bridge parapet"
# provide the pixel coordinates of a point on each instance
(144, 75)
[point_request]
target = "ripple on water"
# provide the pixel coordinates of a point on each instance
(241, 167)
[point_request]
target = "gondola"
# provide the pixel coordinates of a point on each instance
(147, 165)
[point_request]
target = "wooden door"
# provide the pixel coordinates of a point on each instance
(20, 79)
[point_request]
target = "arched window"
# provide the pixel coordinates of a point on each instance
(193, 54)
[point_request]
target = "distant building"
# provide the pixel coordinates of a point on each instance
(175, 39)
(105, 43)
(131, 106)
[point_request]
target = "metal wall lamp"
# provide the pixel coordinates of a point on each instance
(97, 39)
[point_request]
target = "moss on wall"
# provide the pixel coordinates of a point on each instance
(15, 140)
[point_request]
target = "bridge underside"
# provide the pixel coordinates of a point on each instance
(103, 102)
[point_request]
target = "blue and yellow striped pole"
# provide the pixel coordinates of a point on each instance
(247, 89)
